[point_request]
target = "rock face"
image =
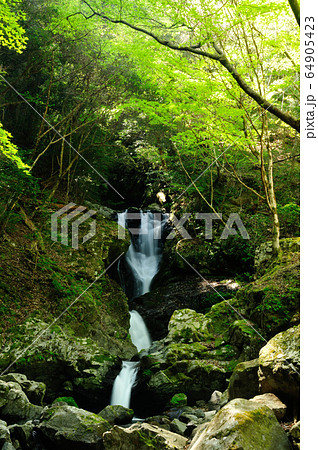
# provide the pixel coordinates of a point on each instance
(14, 404)
(273, 402)
(279, 365)
(242, 424)
(79, 362)
(64, 427)
(156, 307)
(142, 437)
(80, 354)
(263, 253)
(244, 380)
(272, 301)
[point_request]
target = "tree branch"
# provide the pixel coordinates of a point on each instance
(217, 56)
(296, 9)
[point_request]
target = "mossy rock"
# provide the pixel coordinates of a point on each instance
(242, 424)
(244, 380)
(279, 366)
(188, 326)
(179, 400)
(68, 400)
(64, 427)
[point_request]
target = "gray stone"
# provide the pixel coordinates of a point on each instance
(273, 402)
(117, 414)
(279, 365)
(69, 427)
(241, 424)
(14, 404)
(142, 437)
(215, 400)
(178, 427)
(34, 390)
(244, 380)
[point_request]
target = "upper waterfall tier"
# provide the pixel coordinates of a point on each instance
(144, 254)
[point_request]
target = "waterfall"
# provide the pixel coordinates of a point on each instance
(123, 384)
(143, 260)
(138, 331)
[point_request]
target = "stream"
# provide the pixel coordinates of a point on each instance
(142, 261)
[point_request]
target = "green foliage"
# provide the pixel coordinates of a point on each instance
(12, 35)
(289, 215)
(8, 149)
(213, 298)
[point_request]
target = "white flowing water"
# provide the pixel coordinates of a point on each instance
(123, 384)
(143, 258)
(138, 331)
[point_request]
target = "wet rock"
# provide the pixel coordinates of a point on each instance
(142, 437)
(241, 424)
(64, 427)
(273, 402)
(244, 380)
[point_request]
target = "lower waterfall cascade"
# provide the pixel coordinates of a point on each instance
(143, 261)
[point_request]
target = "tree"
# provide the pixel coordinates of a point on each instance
(12, 35)
(191, 27)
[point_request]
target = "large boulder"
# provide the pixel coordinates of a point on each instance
(244, 380)
(273, 402)
(64, 427)
(241, 424)
(117, 414)
(142, 437)
(14, 404)
(279, 366)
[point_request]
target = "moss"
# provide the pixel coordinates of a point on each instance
(69, 400)
(179, 400)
